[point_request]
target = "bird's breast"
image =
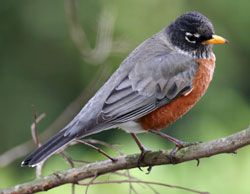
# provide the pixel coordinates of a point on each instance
(169, 113)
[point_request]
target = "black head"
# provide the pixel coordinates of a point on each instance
(193, 32)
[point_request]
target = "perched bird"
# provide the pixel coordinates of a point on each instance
(154, 86)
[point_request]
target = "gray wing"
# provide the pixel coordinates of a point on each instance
(154, 81)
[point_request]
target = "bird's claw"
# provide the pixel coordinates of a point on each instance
(141, 158)
(178, 146)
(149, 169)
(198, 162)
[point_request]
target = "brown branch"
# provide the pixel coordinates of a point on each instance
(227, 144)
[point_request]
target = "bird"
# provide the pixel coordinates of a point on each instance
(155, 85)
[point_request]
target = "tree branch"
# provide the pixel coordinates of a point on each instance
(227, 144)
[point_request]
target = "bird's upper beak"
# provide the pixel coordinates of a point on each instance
(215, 40)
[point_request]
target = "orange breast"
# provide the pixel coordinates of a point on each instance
(165, 115)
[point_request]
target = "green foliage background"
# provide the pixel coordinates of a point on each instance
(39, 65)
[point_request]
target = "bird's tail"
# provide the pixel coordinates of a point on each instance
(54, 144)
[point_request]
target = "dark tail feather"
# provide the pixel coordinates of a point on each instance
(47, 149)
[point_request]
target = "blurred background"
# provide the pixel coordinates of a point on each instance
(52, 54)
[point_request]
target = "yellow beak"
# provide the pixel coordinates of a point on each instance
(215, 40)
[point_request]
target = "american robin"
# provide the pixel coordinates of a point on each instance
(155, 85)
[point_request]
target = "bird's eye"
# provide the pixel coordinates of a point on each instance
(191, 37)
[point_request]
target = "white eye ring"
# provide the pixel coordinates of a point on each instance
(188, 34)
(191, 41)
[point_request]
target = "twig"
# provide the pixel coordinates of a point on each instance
(134, 178)
(72, 161)
(227, 144)
(90, 183)
(113, 147)
(97, 149)
(68, 159)
(23, 149)
(144, 182)
(131, 187)
(73, 189)
(72, 165)
(35, 138)
(33, 127)
(95, 141)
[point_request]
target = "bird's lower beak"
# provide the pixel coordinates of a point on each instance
(215, 40)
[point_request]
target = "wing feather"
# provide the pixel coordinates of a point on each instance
(144, 90)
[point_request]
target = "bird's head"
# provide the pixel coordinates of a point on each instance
(193, 32)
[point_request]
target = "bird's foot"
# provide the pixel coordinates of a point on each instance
(144, 150)
(180, 145)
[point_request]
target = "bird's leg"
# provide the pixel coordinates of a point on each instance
(97, 149)
(143, 149)
(178, 143)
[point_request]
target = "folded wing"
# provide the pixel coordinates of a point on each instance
(151, 83)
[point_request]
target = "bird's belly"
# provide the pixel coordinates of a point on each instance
(131, 127)
(169, 113)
